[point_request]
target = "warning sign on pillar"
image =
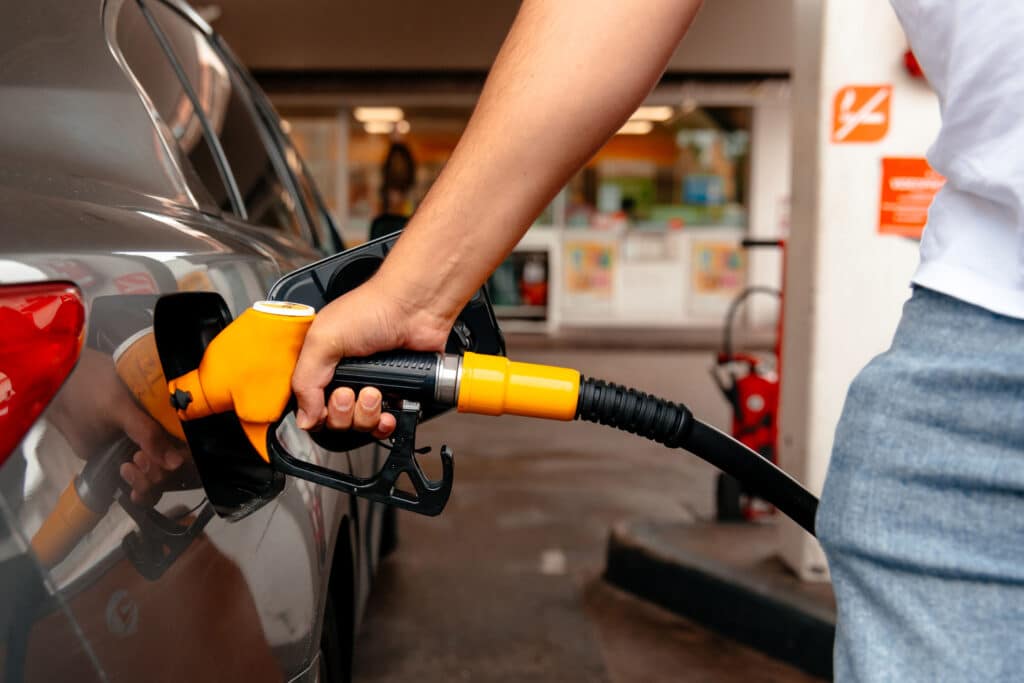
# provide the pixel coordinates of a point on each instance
(860, 113)
(909, 185)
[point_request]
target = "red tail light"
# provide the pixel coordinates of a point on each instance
(40, 339)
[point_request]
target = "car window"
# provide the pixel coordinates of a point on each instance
(327, 238)
(325, 233)
(149, 64)
(223, 99)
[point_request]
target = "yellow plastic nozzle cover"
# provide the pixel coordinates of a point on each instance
(63, 528)
(494, 385)
(248, 368)
(138, 366)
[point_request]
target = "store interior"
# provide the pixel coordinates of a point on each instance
(646, 236)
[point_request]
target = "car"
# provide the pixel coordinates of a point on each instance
(139, 158)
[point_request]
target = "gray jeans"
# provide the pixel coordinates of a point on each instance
(922, 516)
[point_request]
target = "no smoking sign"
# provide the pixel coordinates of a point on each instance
(860, 113)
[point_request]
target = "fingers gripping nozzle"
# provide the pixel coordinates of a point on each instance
(246, 369)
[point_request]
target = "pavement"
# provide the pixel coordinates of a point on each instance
(507, 584)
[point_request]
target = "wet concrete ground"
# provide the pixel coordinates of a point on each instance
(505, 585)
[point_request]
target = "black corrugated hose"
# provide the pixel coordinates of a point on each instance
(673, 425)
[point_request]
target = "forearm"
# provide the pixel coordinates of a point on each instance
(568, 75)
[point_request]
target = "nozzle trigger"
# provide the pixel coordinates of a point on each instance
(429, 496)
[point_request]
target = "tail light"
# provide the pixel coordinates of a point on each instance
(40, 341)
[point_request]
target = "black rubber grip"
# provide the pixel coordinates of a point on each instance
(409, 375)
(633, 411)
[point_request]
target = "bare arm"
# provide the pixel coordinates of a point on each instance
(568, 75)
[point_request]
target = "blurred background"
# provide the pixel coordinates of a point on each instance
(643, 237)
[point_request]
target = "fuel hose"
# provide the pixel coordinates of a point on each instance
(673, 425)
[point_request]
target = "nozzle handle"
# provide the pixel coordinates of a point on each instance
(428, 496)
(400, 375)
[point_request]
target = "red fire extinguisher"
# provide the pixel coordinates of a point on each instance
(750, 383)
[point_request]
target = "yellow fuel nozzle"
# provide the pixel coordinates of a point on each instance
(494, 385)
(247, 368)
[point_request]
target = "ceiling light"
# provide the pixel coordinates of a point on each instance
(378, 127)
(636, 128)
(389, 114)
(661, 113)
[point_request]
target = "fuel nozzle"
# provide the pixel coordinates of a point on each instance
(247, 369)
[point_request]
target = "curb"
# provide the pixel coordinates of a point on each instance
(737, 601)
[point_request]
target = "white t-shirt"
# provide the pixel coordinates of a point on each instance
(972, 52)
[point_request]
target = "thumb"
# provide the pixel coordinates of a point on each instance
(313, 371)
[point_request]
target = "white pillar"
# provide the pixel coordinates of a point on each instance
(845, 283)
(769, 198)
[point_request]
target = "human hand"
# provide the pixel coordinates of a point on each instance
(94, 408)
(369, 319)
(158, 457)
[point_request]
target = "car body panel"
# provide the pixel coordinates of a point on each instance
(92, 191)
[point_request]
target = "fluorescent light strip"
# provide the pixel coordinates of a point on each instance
(378, 127)
(652, 113)
(389, 114)
(636, 128)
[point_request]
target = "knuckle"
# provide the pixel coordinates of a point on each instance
(322, 339)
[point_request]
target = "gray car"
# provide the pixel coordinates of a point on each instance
(137, 158)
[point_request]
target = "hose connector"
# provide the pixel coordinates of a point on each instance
(494, 385)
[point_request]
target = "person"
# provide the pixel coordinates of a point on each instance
(922, 508)
(399, 172)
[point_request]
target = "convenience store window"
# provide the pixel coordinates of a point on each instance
(646, 234)
(427, 135)
(394, 155)
(668, 167)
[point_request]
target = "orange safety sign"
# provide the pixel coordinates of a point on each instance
(909, 184)
(860, 113)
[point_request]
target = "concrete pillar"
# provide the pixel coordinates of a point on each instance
(769, 199)
(845, 283)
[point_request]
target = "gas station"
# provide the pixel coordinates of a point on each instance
(723, 276)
